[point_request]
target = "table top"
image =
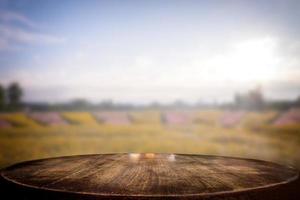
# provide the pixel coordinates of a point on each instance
(148, 174)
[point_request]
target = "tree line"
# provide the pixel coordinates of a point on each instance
(11, 97)
(11, 100)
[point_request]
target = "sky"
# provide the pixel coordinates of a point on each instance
(144, 51)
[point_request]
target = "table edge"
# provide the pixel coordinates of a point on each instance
(206, 194)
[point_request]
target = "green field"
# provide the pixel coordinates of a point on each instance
(253, 137)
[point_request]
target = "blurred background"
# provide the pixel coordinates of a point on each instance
(197, 77)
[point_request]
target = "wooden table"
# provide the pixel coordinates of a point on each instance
(149, 176)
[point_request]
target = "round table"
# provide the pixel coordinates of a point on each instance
(149, 176)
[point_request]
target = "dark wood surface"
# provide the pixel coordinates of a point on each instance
(145, 176)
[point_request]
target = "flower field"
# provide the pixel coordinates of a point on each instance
(25, 136)
(48, 119)
(79, 118)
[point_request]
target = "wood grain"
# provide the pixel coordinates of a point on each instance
(145, 176)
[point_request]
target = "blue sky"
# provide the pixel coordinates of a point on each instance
(144, 51)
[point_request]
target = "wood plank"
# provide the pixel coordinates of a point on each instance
(145, 176)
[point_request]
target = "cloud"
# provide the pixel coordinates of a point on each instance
(10, 17)
(13, 36)
(18, 35)
(4, 44)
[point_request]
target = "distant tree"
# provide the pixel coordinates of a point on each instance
(106, 104)
(155, 105)
(14, 94)
(297, 102)
(256, 99)
(79, 104)
(252, 100)
(179, 104)
(2, 97)
(238, 99)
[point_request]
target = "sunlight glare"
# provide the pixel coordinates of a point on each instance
(251, 60)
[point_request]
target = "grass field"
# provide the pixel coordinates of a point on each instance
(253, 137)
